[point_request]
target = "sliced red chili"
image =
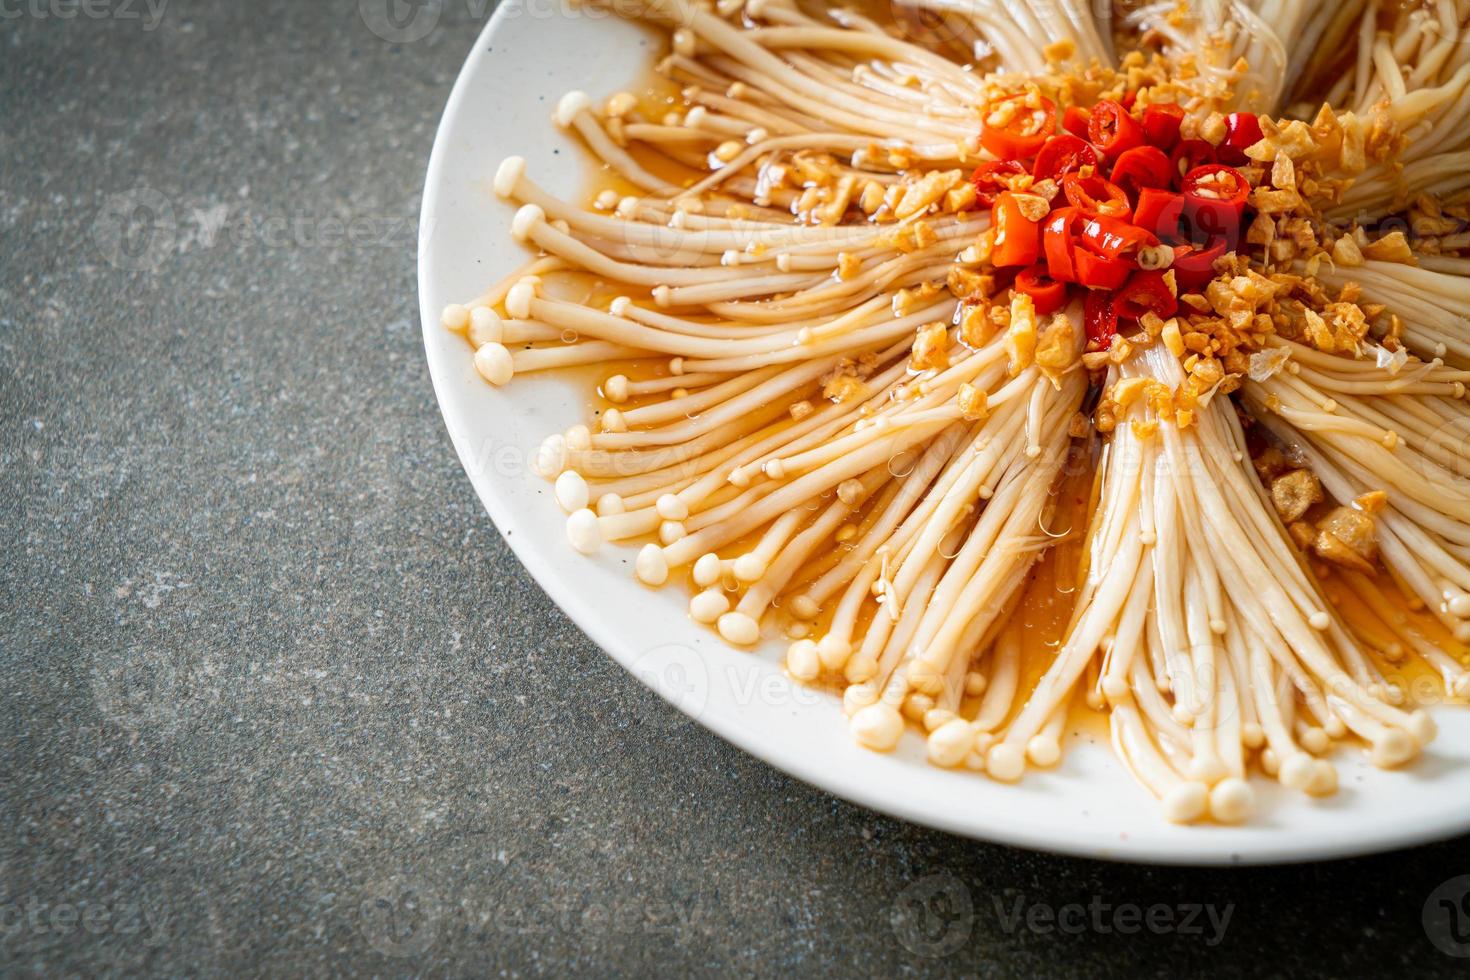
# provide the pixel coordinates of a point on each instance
(1024, 130)
(1100, 272)
(1112, 129)
(1047, 294)
(1194, 266)
(1099, 319)
(1161, 125)
(1214, 200)
(1145, 292)
(1017, 239)
(1188, 154)
(1159, 211)
(1112, 238)
(1242, 131)
(991, 179)
(1059, 241)
(1093, 195)
(1074, 121)
(1140, 167)
(1061, 155)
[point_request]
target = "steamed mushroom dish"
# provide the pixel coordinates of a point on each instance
(993, 362)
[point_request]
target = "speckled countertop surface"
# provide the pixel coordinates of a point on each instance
(277, 697)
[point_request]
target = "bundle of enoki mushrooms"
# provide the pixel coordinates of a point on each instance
(908, 328)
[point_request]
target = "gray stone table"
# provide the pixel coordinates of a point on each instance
(277, 698)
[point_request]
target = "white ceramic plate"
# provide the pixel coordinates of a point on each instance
(525, 60)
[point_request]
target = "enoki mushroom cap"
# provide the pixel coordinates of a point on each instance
(951, 742)
(1044, 750)
(671, 508)
(834, 651)
(651, 566)
(708, 606)
(935, 717)
(495, 365)
(805, 607)
(856, 697)
(1315, 740)
(584, 532)
(572, 105)
(750, 567)
(579, 438)
(1005, 762)
(550, 458)
(616, 389)
(877, 726)
(508, 174)
(518, 300)
(1422, 727)
(485, 327)
(455, 318)
(738, 628)
(1232, 800)
(571, 491)
(528, 218)
(802, 661)
(1323, 779)
(1296, 771)
(1208, 769)
(1394, 748)
(707, 570)
(861, 668)
(1186, 802)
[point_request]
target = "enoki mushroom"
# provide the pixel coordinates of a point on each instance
(901, 323)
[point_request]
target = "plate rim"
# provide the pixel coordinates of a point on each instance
(1189, 849)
